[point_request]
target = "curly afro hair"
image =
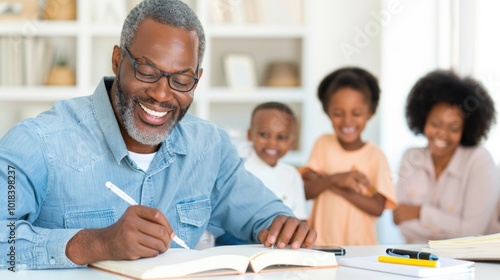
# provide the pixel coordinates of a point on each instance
(465, 93)
(351, 77)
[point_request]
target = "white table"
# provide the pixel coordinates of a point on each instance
(484, 271)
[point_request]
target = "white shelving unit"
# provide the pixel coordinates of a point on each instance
(89, 46)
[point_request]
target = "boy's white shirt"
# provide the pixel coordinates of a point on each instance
(283, 179)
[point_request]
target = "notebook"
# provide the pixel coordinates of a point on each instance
(485, 247)
(448, 266)
(237, 259)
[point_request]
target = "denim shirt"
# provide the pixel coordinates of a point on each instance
(60, 161)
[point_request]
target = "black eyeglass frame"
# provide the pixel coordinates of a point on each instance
(162, 74)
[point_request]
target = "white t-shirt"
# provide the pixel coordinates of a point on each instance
(283, 179)
(143, 161)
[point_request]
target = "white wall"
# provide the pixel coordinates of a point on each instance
(337, 23)
(486, 59)
(354, 33)
(409, 51)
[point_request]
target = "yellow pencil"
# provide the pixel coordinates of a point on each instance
(408, 261)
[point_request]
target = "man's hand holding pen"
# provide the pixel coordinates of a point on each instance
(140, 232)
(286, 230)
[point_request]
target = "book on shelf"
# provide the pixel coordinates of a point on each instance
(281, 12)
(447, 266)
(18, 10)
(222, 260)
(484, 247)
(25, 61)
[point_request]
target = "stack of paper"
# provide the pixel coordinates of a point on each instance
(485, 247)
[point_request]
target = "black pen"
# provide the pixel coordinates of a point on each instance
(411, 254)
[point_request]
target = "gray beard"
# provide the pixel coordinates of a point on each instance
(126, 113)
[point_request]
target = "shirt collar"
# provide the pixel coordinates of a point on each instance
(105, 117)
(455, 162)
(453, 167)
(253, 157)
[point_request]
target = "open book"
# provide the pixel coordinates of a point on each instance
(237, 259)
(448, 266)
(485, 247)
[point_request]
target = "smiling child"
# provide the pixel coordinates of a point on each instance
(348, 178)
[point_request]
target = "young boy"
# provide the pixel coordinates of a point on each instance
(272, 133)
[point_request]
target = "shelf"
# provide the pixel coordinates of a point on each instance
(261, 94)
(255, 31)
(262, 51)
(101, 30)
(39, 28)
(40, 93)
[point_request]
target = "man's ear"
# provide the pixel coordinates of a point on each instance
(116, 58)
(249, 135)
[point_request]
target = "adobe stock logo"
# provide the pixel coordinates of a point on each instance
(363, 37)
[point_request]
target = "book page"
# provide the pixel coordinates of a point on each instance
(475, 240)
(214, 261)
(292, 257)
(262, 257)
(177, 263)
(242, 250)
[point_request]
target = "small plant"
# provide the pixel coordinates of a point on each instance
(61, 60)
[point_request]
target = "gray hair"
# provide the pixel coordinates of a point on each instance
(172, 12)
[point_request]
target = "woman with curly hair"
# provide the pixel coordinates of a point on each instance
(448, 188)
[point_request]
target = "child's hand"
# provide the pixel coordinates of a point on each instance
(352, 180)
(405, 212)
(308, 174)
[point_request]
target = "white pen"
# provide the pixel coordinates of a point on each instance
(131, 201)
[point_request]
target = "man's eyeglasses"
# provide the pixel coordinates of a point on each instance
(150, 74)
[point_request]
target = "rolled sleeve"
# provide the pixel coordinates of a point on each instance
(35, 248)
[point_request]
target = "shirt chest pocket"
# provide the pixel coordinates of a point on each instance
(89, 219)
(195, 213)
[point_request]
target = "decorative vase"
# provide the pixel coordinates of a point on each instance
(59, 10)
(282, 74)
(61, 76)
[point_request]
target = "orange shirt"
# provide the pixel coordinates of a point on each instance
(337, 221)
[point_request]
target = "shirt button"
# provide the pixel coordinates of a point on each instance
(52, 261)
